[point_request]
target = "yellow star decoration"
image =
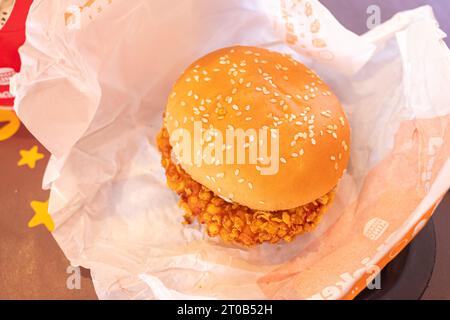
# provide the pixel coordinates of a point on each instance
(30, 157)
(41, 216)
(9, 124)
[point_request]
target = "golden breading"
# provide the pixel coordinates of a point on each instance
(231, 221)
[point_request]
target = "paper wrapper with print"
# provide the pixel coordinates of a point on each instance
(94, 83)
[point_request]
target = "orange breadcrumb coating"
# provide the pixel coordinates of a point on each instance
(231, 221)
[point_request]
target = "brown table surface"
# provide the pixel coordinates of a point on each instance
(34, 267)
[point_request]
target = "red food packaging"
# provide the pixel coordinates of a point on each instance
(12, 36)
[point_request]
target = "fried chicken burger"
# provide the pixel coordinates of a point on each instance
(254, 143)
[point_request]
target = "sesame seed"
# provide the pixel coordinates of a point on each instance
(236, 172)
(283, 160)
(250, 185)
(302, 152)
(240, 180)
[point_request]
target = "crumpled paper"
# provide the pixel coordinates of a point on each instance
(95, 78)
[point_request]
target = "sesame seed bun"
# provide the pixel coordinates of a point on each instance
(254, 88)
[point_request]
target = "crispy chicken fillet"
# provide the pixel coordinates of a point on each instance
(231, 221)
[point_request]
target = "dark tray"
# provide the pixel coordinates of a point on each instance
(407, 276)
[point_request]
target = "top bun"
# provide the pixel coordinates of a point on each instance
(254, 88)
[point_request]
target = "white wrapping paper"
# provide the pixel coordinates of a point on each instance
(93, 87)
